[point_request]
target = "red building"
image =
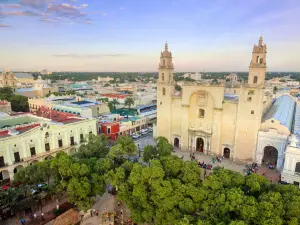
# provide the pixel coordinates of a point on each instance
(110, 129)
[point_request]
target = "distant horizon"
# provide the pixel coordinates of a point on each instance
(16, 71)
(123, 35)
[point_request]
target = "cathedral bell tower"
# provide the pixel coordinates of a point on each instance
(258, 65)
(165, 90)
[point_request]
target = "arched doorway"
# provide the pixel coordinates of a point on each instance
(226, 153)
(199, 145)
(4, 176)
(18, 168)
(176, 142)
(270, 156)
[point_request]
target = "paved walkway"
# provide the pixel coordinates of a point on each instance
(107, 203)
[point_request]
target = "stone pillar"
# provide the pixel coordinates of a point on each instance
(185, 128)
(215, 145)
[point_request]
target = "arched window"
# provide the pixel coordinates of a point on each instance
(255, 80)
(164, 62)
(257, 59)
(164, 91)
(201, 113)
(297, 168)
(162, 76)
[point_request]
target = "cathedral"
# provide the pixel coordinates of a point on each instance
(214, 118)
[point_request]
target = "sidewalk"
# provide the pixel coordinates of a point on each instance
(47, 208)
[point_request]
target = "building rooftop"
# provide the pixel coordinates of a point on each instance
(283, 110)
(297, 123)
(113, 95)
(23, 75)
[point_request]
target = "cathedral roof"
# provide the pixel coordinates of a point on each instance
(282, 110)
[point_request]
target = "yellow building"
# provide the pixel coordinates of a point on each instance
(211, 118)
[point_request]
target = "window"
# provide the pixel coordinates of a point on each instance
(47, 147)
(251, 92)
(160, 103)
(72, 141)
(108, 130)
(234, 91)
(297, 168)
(252, 111)
(17, 156)
(32, 151)
(2, 161)
(255, 80)
(163, 77)
(60, 143)
(201, 113)
(164, 91)
(249, 99)
(257, 59)
(81, 138)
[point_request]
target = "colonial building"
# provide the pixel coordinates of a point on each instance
(27, 138)
(210, 118)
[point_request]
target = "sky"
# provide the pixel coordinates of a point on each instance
(128, 35)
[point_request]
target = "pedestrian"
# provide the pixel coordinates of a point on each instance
(22, 221)
(119, 203)
(43, 217)
(34, 215)
(91, 211)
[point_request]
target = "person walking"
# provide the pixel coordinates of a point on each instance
(22, 221)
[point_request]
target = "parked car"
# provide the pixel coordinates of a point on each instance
(135, 136)
(144, 131)
(150, 129)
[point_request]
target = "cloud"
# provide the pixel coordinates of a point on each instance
(4, 25)
(36, 4)
(88, 55)
(13, 6)
(48, 20)
(84, 6)
(121, 8)
(66, 10)
(19, 13)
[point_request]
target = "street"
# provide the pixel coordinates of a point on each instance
(145, 140)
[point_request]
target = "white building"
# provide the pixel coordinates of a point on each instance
(195, 76)
(26, 139)
(274, 132)
(292, 83)
(105, 79)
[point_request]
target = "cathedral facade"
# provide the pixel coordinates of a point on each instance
(212, 118)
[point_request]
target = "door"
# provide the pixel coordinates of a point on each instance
(2, 161)
(47, 147)
(17, 156)
(32, 151)
(200, 145)
(72, 140)
(60, 143)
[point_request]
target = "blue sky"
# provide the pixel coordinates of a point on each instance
(128, 35)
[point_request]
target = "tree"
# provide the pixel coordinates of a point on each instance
(129, 102)
(115, 102)
(110, 106)
(275, 89)
(178, 88)
(106, 85)
(19, 103)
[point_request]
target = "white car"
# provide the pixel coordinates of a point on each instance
(150, 129)
(144, 131)
(135, 136)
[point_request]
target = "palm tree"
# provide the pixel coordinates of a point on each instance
(129, 102)
(115, 102)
